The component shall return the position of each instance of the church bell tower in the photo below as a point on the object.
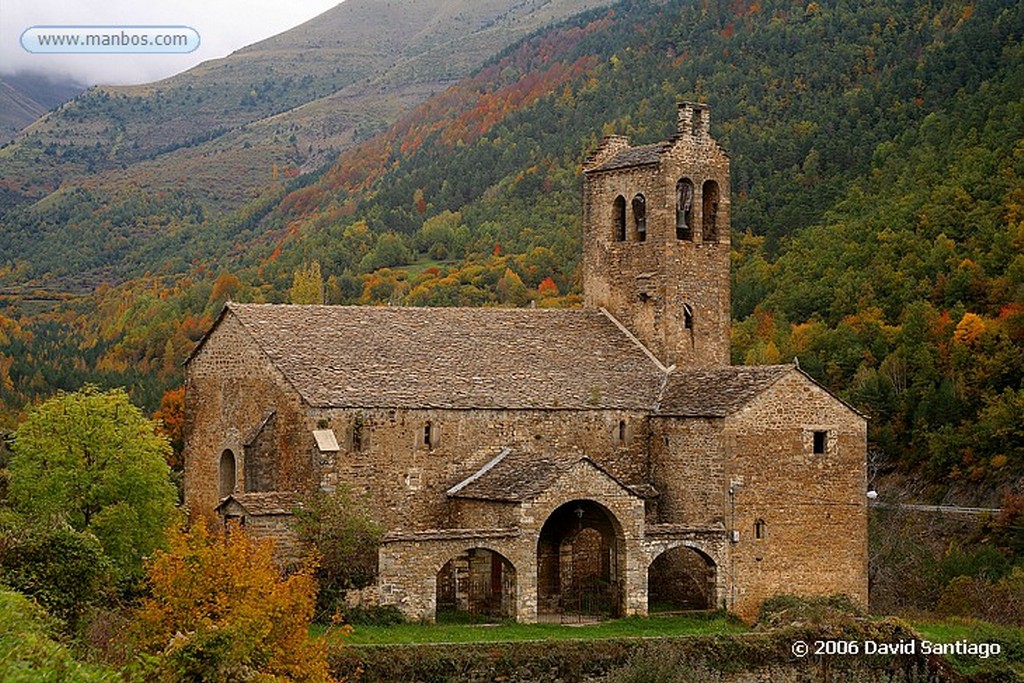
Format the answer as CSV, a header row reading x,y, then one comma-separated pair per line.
x,y
656,240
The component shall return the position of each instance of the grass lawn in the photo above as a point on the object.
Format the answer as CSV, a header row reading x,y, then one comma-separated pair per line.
x,y
952,630
633,627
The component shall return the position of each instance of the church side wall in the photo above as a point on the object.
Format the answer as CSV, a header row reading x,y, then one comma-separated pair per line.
x,y
404,480
800,515
230,389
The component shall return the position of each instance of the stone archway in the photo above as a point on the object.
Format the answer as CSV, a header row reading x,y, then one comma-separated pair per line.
x,y
477,584
580,563
680,579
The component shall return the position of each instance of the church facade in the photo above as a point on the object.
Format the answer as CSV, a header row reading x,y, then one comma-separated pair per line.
x,y
550,464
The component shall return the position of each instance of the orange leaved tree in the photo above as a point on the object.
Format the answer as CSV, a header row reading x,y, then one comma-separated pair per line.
x,y
220,610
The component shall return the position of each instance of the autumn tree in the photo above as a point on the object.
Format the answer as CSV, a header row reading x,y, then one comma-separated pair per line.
x,y
89,459
220,610
308,285
171,418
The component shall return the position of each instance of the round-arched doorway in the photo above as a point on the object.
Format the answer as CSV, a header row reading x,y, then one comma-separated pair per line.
x,y
476,585
580,564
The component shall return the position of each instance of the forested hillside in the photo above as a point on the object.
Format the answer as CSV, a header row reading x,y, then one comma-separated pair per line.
x,y
125,165
878,213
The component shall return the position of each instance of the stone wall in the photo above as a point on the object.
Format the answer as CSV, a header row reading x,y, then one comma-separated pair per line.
x,y
809,509
404,480
231,389
687,469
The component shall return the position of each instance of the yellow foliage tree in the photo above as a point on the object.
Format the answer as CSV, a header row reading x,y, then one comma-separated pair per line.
x,y
220,610
308,285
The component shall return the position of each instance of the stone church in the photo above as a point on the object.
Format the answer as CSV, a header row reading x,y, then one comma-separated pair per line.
x,y
550,464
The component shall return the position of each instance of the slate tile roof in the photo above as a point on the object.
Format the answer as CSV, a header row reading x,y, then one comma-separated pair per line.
x,y
632,156
466,358
717,391
455,358
265,503
516,476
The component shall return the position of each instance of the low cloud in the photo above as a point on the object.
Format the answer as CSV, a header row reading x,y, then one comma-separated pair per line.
x,y
223,25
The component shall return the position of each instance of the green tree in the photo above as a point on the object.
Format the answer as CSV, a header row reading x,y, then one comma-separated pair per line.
x,y
308,285
346,541
91,460
63,570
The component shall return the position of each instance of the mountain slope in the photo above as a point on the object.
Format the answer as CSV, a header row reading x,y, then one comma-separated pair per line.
x,y
372,58
24,98
877,199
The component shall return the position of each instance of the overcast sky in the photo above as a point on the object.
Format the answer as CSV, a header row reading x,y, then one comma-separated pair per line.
x,y
223,26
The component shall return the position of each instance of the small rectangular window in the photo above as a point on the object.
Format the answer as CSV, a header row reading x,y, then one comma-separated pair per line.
x,y
820,442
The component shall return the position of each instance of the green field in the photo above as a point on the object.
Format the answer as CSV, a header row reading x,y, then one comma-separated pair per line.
x,y
703,624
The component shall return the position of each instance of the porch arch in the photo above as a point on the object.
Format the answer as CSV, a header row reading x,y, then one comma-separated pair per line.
x,y
581,563
680,578
478,583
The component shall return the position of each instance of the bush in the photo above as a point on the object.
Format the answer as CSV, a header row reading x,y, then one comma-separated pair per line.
x,y
62,569
219,610
785,610
661,664
380,615
1001,601
346,541
29,653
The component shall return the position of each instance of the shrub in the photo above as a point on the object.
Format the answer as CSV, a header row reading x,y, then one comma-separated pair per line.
x,y
784,610
661,664
62,569
29,653
346,541
220,610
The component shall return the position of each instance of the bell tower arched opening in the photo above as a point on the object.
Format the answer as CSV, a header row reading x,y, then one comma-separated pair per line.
x,y
684,209
709,222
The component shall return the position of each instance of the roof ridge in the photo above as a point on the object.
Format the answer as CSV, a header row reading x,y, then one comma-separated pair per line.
x,y
640,344
479,473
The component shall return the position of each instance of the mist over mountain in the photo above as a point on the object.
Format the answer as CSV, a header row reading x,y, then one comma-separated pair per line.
x,y
26,97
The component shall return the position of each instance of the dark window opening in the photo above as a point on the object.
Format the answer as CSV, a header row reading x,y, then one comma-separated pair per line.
x,y
684,209
760,529
227,473
622,431
709,226
357,435
820,442
427,435
619,217
640,217
687,316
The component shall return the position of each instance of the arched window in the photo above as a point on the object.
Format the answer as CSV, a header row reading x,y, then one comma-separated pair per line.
x,y
709,226
684,209
687,316
227,473
619,218
640,217
428,435
760,530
